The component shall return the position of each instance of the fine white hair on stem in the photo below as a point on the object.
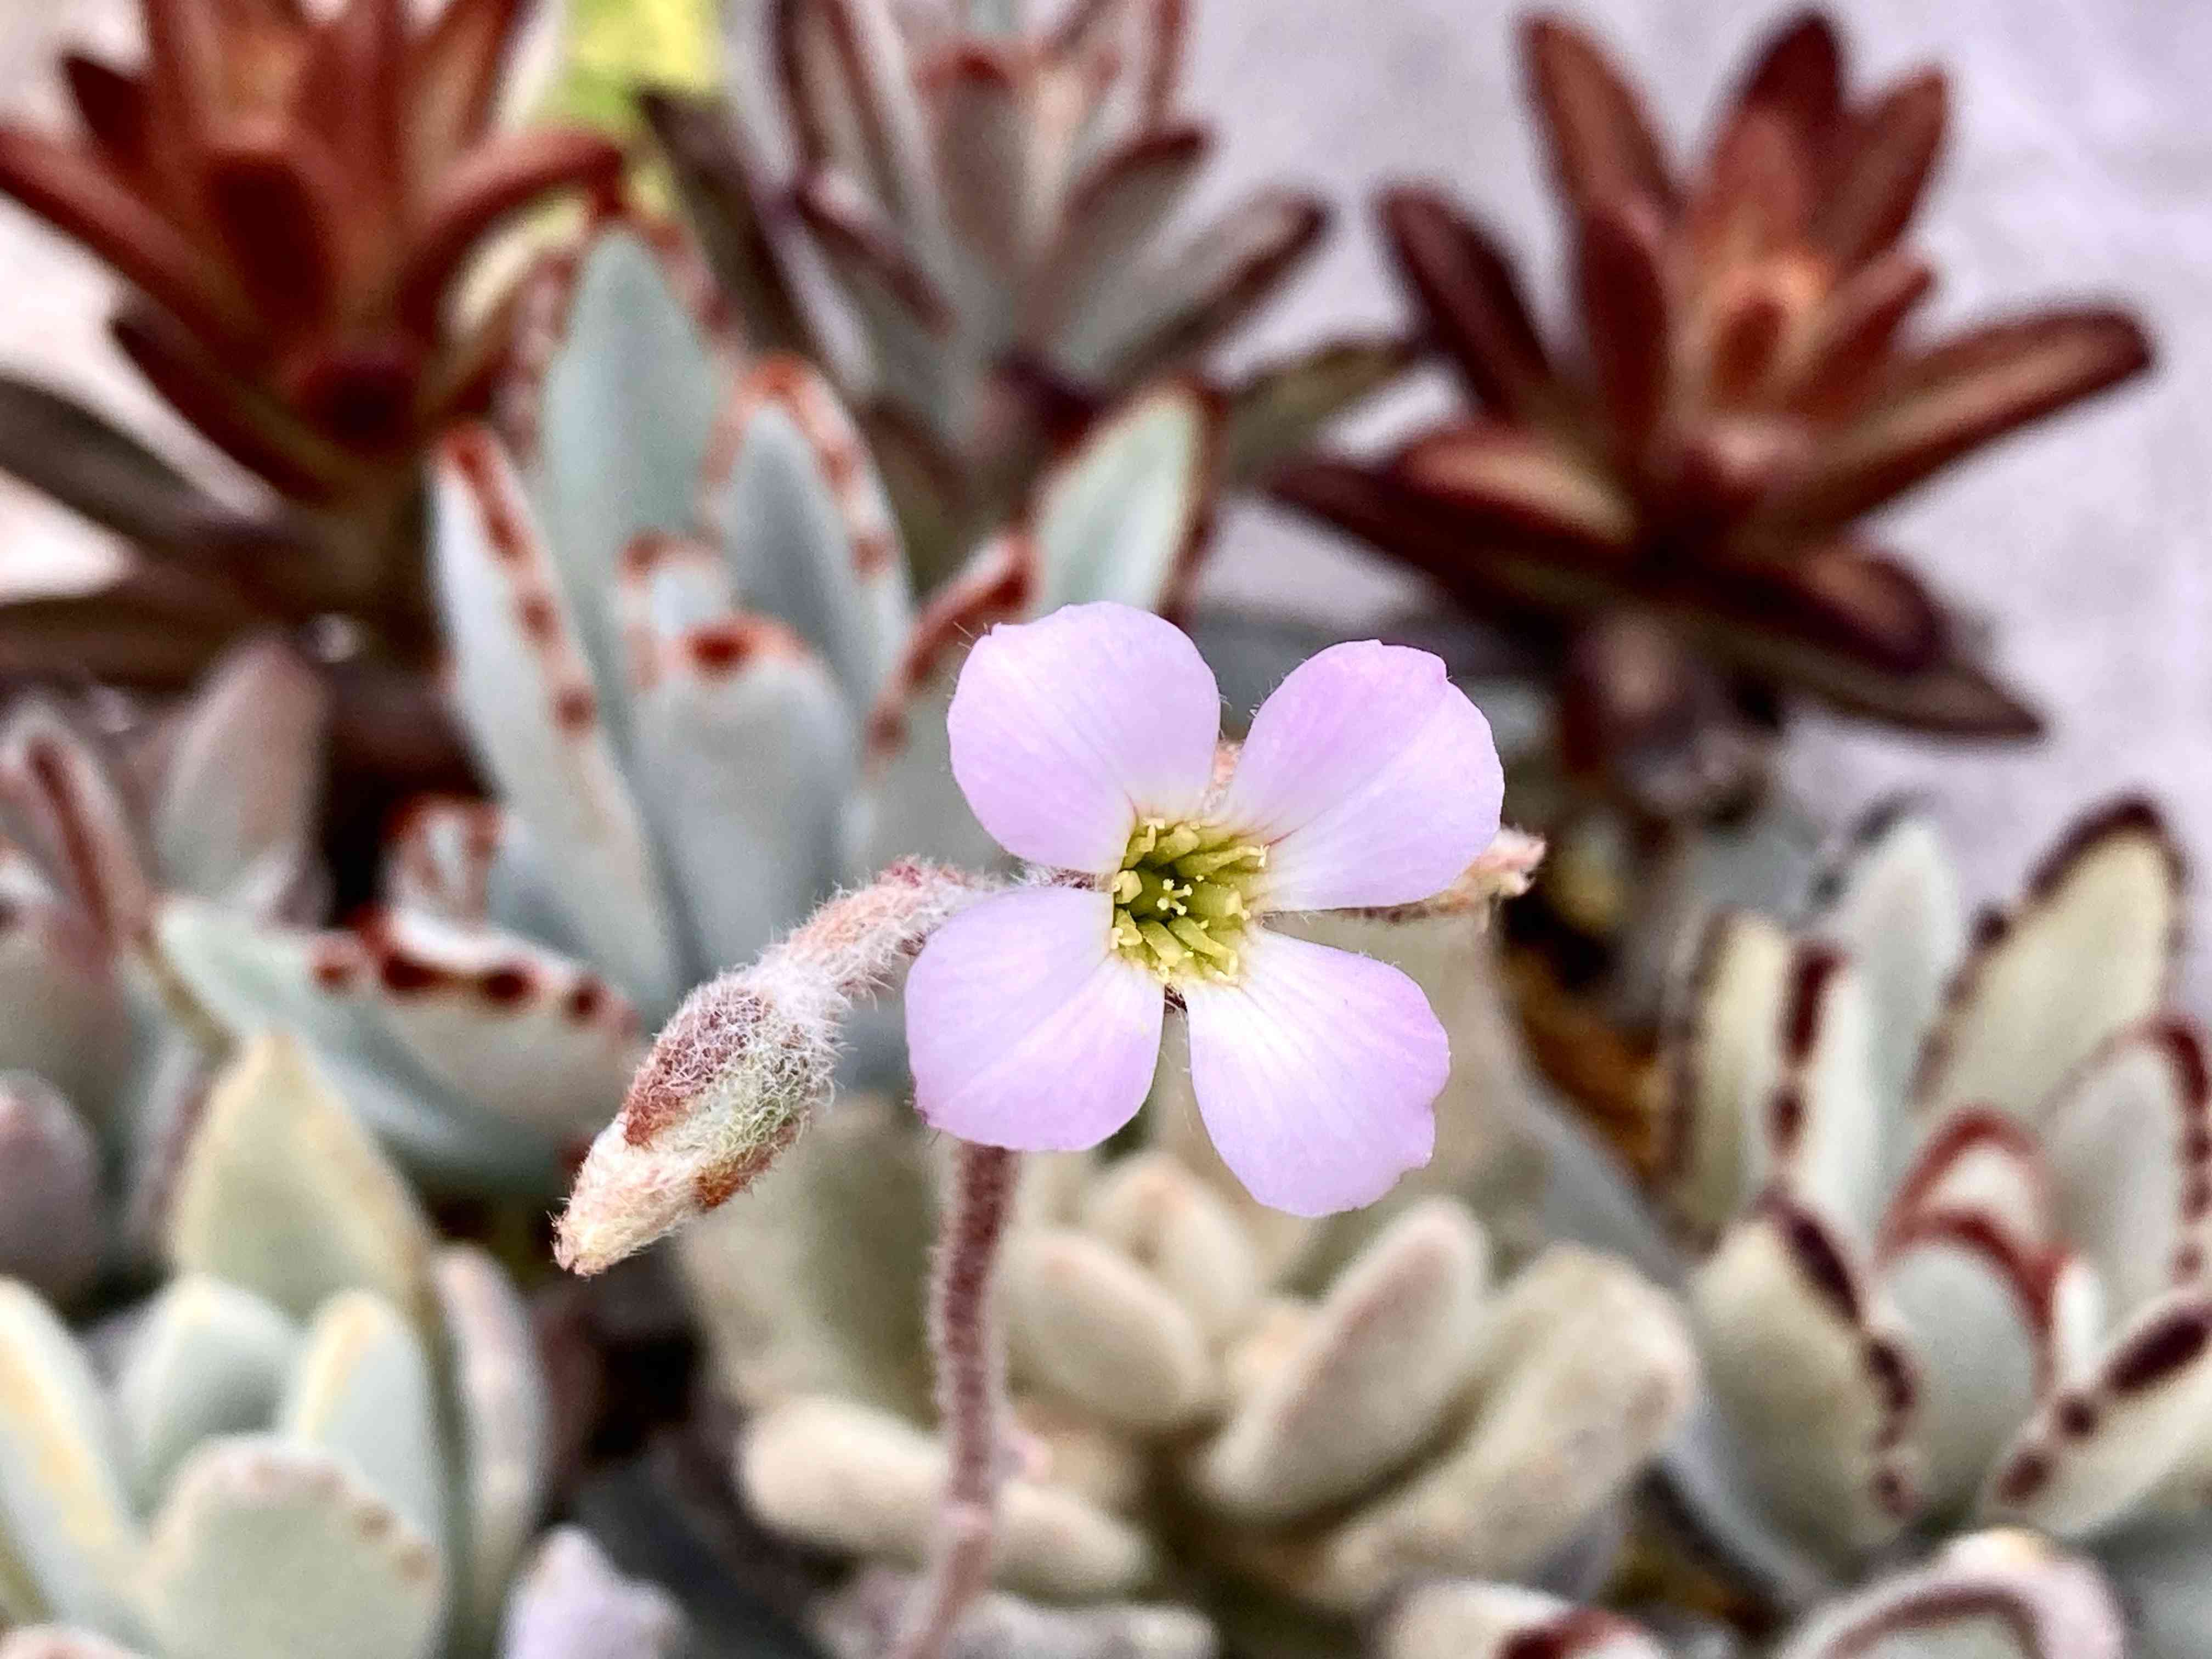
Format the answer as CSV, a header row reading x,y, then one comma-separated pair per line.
x,y
734,1076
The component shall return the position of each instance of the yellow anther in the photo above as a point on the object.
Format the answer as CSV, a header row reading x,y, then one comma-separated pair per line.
x,y
1180,900
1183,839
1126,885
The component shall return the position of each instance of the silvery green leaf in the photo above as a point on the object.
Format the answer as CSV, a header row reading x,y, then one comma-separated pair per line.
x,y
283,1193
243,784
504,1432
1992,1595
911,327
624,410
854,105
65,1521
2024,1010
2093,1450
746,758
861,1619
63,803
440,853
1118,519
991,164
1826,1122
1467,1619
206,1358
791,494
1893,901
908,803
1089,1325
1282,407
1108,223
268,1550
2130,1163
361,1389
50,1206
2157,1566
527,698
1811,1367
572,1604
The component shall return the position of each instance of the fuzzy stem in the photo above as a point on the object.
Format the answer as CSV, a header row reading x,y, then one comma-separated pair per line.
x,y
970,1354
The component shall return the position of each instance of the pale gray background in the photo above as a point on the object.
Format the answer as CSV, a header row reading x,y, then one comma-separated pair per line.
x,y
2081,163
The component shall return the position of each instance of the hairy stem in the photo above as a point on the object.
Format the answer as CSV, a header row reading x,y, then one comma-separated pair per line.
x,y
971,1387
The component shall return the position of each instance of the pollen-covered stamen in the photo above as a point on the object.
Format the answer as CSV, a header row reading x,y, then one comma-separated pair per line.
x,y
1181,897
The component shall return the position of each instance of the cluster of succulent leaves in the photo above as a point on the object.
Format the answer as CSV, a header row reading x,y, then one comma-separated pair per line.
x,y
688,661
325,1433
991,198
1671,505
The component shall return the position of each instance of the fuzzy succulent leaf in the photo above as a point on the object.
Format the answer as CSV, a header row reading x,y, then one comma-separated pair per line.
x,y
207,1358
284,1194
264,1550
2004,1594
1087,1322
858,1621
1465,1620
571,1604
69,1546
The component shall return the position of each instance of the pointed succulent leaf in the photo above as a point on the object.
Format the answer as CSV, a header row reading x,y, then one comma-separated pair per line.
x,y
1584,1372
1120,517
282,1192
1978,1162
1510,480
501,1396
814,1284
1471,296
2004,1594
1980,1316
71,1024
528,698
51,1205
1200,292
241,792
1883,169
1826,1121
1463,1618
625,403
1150,1206
2024,1010
724,201
207,1358
1893,902
1281,407
1810,1364
2093,1450
439,856
65,1519
63,803
361,1389
861,1620
2129,1150
851,97
1936,406
910,324
989,164
1723,1055
845,1477
572,1604
266,1549
789,492
1385,1357
1110,216
1603,146
1088,1323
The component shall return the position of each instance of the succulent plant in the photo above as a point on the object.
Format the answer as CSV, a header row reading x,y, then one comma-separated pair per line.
x,y
1213,1401
1675,501
294,195
324,1435
1993,1595
1951,1192
103,1064
684,651
990,201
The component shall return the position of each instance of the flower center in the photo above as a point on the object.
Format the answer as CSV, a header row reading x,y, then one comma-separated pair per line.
x,y
1180,899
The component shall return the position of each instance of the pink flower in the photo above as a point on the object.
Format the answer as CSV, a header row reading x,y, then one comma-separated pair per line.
x,y
1085,744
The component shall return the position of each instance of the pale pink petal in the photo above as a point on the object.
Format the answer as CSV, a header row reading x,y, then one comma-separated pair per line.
x,y
1373,777
1025,1028
1316,1073
1065,731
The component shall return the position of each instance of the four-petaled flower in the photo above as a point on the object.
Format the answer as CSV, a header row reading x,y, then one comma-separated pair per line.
x,y
1085,742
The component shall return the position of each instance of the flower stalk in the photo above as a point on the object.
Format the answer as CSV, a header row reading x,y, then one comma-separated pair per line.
x,y
970,1350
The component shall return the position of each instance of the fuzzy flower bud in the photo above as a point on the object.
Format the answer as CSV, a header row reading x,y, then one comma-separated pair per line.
x,y
733,1077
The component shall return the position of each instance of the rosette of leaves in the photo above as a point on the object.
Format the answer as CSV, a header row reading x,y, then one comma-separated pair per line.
x,y
100,1062
684,652
1949,1191
1672,503
991,201
294,195
1273,1422
324,1435
1993,1595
